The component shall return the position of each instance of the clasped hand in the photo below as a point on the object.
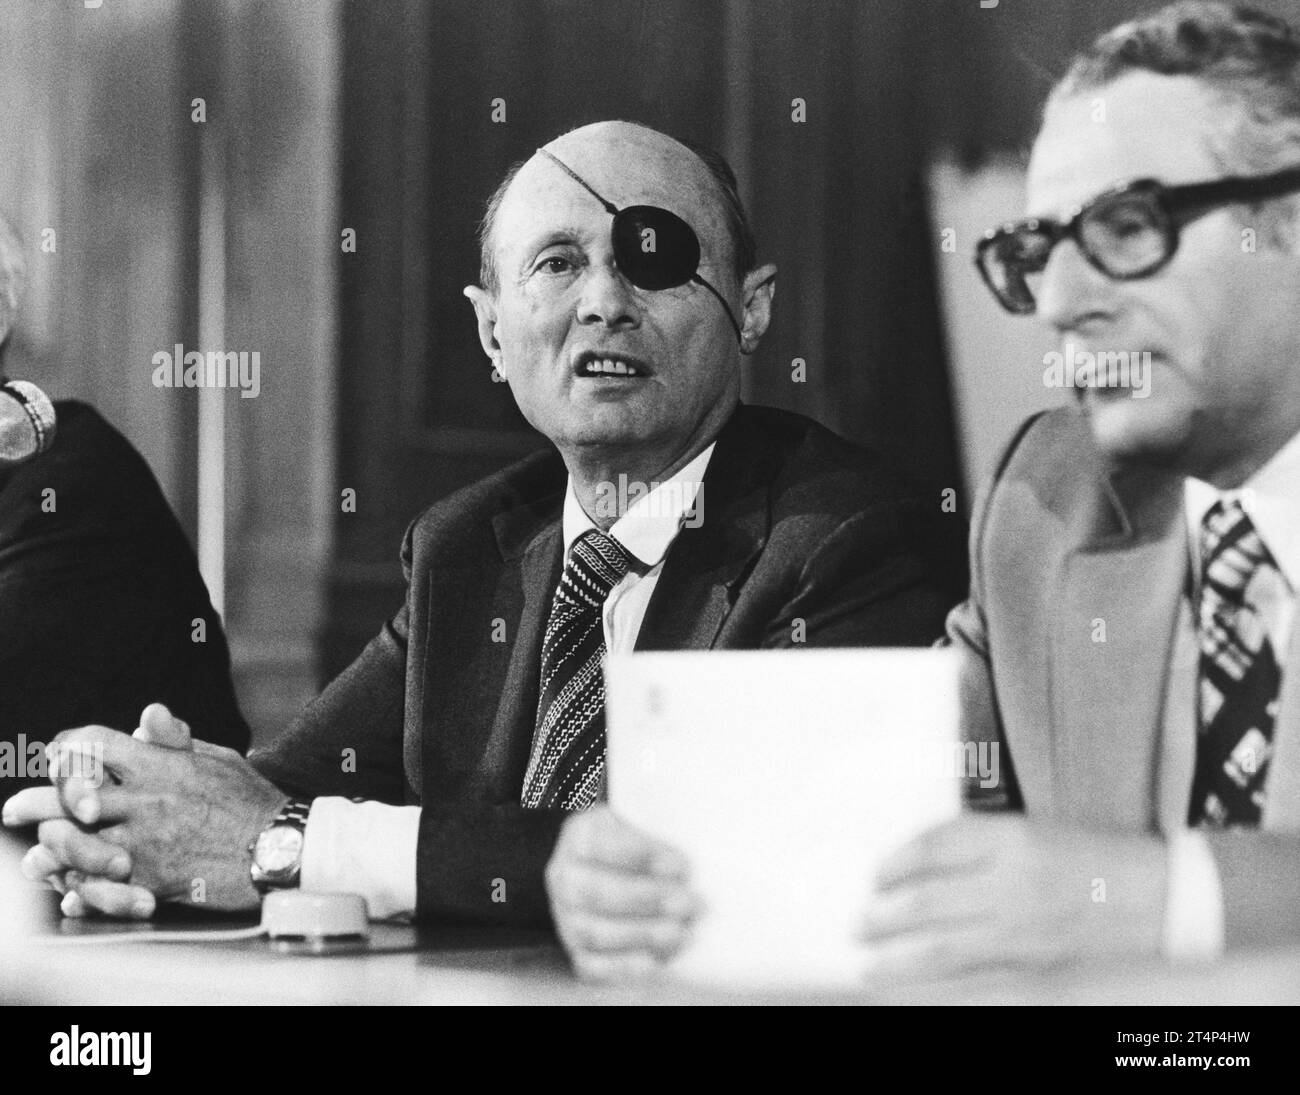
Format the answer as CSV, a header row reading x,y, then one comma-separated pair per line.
x,y
158,816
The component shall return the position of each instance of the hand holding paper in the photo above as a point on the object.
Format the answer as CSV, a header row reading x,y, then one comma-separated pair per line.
x,y
622,900
784,779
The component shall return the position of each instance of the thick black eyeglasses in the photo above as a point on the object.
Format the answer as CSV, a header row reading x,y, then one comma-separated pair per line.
x,y
1127,232
653,248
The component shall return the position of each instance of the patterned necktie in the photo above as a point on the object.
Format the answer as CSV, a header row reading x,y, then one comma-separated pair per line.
x,y
568,757
1239,672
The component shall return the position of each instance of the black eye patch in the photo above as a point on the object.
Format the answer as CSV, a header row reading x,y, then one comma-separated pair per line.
x,y
653,248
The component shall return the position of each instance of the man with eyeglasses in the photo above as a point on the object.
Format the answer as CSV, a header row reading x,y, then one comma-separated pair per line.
x,y
620,293
1130,640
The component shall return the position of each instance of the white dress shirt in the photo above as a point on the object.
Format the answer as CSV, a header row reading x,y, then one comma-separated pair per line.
x,y
369,848
1271,498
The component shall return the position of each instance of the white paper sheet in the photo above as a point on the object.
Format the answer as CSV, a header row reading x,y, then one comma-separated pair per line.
x,y
784,777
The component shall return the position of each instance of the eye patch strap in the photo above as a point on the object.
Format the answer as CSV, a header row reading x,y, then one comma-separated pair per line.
x,y
609,208
725,306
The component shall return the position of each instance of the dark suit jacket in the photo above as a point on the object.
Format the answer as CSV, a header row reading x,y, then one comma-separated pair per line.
x,y
797,524
98,598
1102,734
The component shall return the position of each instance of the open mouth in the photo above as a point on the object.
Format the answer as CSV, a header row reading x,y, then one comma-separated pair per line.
x,y
596,365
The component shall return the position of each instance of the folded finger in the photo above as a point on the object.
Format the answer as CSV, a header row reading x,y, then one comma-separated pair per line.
x,y
111,898
606,969
102,748
91,853
936,903
610,841
40,864
945,849
33,805
603,892
596,935
80,798
158,726
97,805
77,770
72,905
942,953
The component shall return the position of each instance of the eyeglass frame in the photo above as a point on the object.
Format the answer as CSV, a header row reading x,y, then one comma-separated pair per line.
x,y
1180,204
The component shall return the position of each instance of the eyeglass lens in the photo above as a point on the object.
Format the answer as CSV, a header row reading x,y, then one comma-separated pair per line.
x,y
1125,235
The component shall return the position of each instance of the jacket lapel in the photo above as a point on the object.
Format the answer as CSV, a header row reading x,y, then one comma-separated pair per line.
x,y
477,693
1131,571
1282,801
707,564
1126,577
532,546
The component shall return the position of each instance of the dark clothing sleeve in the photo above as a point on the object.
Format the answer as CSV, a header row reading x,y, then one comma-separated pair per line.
x,y
348,741
485,864
102,608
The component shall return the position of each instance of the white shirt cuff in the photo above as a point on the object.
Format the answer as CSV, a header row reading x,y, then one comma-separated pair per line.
x,y
365,848
1194,900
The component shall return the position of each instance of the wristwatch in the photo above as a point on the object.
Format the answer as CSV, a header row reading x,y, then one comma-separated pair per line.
x,y
277,851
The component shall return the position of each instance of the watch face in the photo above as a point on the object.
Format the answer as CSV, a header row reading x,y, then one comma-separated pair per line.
x,y
278,849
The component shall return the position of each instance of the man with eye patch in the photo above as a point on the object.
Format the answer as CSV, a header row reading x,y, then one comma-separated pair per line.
x,y
620,292
1130,642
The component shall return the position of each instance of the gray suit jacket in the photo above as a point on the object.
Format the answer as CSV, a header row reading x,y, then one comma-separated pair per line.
x,y
1080,660
797,524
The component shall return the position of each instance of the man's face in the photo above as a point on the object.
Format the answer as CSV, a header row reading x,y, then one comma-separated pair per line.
x,y
563,305
1219,320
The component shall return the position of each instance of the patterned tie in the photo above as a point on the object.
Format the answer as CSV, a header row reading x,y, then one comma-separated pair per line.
x,y
1239,672
568,758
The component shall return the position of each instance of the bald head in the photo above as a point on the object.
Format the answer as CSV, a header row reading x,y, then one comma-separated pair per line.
x,y
620,159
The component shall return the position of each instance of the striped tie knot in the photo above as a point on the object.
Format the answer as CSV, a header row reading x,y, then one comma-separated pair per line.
x,y
596,564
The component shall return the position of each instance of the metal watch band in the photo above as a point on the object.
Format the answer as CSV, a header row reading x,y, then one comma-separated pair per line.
x,y
292,814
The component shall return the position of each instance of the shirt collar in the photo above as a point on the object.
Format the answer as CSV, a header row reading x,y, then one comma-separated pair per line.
x,y
1270,497
651,523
